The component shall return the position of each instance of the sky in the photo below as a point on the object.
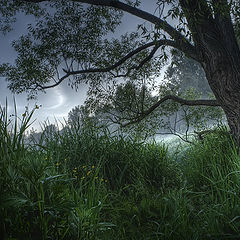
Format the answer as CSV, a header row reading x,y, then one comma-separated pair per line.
x,y
58,101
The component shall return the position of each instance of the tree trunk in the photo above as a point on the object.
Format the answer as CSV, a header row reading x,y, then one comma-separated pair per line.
x,y
222,68
225,85
218,53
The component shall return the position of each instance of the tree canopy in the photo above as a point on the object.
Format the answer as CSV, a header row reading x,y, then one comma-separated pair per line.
x,y
71,41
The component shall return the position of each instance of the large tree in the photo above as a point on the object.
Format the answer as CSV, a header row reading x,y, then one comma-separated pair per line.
x,y
207,32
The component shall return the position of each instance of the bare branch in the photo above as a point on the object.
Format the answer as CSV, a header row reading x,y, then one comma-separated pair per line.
x,y
175,134
202,102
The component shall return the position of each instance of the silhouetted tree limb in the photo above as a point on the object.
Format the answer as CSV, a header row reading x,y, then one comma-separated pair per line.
x,y
156,44
181,42
202,102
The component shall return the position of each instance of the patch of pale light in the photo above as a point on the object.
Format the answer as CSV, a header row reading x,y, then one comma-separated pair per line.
x,y
160,80
60,99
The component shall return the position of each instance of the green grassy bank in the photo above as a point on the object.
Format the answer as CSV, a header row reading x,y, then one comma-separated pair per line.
x,y
85,185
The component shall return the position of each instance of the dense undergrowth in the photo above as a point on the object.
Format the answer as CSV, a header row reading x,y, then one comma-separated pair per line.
x,y
87,184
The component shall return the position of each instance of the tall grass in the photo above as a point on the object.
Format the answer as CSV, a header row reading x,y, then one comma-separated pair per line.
x,y
212,170
41,198
84,183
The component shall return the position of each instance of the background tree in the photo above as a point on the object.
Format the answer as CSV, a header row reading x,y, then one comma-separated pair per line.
x,y
79,115
184,73
129,100
205,33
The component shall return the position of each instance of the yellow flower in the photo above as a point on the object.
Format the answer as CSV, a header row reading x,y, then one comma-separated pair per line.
x,y
88,173
93,166
102,180
57,164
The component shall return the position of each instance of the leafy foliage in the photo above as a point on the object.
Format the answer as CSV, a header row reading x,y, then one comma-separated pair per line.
x,y
131,100
9,9
72,42
84,184
51,42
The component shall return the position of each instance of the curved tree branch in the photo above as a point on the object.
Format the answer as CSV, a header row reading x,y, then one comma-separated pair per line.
x,y
148,58
202,102
182,43
156,45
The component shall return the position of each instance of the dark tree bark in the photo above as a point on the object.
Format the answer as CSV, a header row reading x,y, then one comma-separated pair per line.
x,y
219,55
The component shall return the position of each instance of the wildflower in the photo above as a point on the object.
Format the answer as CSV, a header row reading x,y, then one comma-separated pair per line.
x,y
57,164
93,166
37,106
88,173
75,170
84,166
106,180
102,180
65,159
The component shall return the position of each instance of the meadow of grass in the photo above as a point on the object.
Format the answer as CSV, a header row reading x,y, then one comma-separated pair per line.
x,y
84,183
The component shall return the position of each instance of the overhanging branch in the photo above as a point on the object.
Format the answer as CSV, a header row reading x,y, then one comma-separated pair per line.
x,y
201,102
182,43
156,45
